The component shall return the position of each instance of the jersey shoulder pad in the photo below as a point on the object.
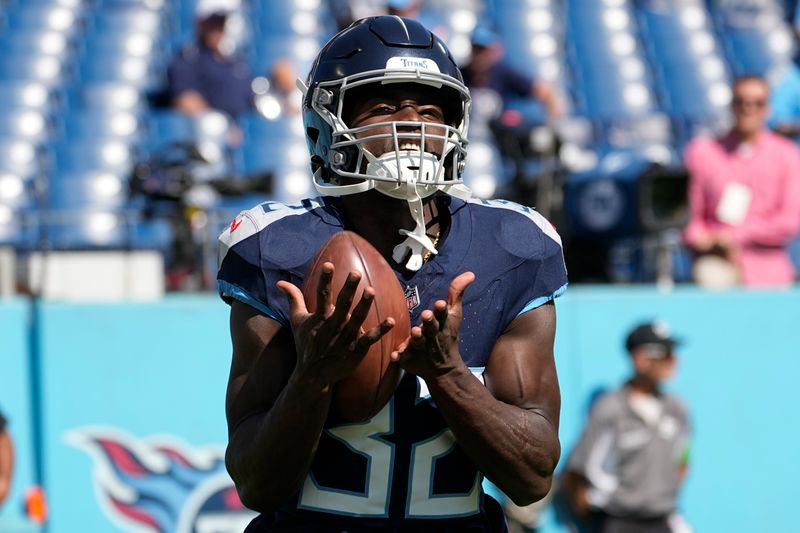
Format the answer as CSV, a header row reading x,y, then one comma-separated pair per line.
x,y
260,218
516,233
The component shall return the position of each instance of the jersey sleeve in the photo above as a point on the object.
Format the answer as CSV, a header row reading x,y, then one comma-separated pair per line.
x,y
542,275
269,243
244,272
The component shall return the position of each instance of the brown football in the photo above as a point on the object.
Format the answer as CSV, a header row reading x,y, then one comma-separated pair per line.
x,y
363,394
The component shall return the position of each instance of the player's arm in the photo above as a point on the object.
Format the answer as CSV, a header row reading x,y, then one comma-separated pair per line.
x,y
274,418
280,386
509,427
521,377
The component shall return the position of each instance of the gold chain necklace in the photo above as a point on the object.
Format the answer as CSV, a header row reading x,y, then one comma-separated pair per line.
x,y
428,253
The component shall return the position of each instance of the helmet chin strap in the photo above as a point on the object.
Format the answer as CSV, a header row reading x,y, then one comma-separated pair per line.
x,y
416,241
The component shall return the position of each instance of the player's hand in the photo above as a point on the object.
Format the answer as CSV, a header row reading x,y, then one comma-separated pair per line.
x,y
330,342
432,348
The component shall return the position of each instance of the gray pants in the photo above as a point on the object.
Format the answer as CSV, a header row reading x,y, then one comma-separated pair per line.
x,y
616,524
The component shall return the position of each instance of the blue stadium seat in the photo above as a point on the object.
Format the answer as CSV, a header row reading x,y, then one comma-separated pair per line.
x,y
109,96
102,154
284,18
259,129
18,229
122,44
100,66
87,190
693,79
263,157
19,157
93,123
265,50
31,66
26,95
599,47
81,230
17,192
167,126
34,43
751,51
24,124
38,16
127,19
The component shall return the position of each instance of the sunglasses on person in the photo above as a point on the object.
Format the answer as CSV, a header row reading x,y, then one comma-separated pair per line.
x,y
758,103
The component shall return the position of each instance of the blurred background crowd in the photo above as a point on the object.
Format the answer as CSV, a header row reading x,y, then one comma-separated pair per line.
x,y
132,131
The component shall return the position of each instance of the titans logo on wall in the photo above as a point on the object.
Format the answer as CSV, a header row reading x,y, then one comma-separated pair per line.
x,y
161,485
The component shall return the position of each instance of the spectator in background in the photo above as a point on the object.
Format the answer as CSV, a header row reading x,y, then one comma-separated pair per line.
x,y
486,70
347,11
203,75
624,473
276,94
744,197
404,8
412,9
6,460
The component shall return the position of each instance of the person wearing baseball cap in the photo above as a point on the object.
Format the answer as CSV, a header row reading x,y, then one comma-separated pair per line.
x,y
652,337
488,70
203,75
214,8
626,469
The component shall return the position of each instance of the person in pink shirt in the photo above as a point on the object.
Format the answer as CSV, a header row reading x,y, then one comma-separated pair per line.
x,y
744,197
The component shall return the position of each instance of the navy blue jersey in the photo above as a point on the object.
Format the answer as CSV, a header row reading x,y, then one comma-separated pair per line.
x,y
403,467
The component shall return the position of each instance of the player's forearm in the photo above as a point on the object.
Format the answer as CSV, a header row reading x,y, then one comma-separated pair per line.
x,y
517,449
269,454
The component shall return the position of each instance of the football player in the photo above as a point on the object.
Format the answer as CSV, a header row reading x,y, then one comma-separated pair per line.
x,y
386,115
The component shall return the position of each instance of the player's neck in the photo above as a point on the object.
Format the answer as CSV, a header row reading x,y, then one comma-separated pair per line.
x,y
378,218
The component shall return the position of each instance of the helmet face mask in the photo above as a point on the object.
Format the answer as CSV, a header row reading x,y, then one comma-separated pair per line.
x,y
363,58
408,159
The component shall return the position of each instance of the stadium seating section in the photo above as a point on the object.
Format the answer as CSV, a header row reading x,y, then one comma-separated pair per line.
x,y
78,80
